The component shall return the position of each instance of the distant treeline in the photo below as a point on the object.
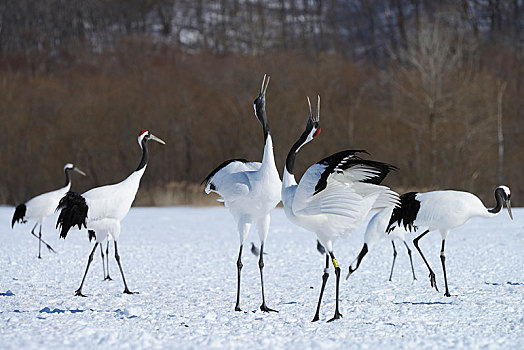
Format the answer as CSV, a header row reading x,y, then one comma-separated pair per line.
x,y
423,85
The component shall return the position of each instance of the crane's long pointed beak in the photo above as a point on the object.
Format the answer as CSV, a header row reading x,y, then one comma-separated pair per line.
x,y
508,205
153,137
79,171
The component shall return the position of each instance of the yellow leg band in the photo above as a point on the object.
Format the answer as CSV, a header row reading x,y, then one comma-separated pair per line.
x,y
335,263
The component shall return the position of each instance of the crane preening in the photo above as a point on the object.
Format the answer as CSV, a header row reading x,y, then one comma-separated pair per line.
x,y
40,207
101,209
376,231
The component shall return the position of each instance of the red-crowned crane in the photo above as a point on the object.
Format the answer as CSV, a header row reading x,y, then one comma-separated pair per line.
x,y
101,209
443,211
333,196
250,190
376,231
40,207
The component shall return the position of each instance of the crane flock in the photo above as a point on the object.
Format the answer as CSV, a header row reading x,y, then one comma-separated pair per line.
x,y
332,199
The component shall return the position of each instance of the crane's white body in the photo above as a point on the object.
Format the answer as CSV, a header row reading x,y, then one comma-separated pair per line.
x,y
445,210
43,205
108,205
250,191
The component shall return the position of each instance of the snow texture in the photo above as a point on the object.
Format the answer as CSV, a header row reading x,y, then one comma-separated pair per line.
x,y
182,261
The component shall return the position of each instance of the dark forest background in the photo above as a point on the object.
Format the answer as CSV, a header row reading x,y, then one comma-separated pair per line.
x,y
434,87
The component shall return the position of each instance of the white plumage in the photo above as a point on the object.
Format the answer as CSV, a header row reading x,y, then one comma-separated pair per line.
x,y
40,207
249,190
101,209
443,211
333,196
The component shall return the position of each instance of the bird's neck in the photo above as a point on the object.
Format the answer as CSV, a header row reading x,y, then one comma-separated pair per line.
x,y
288,179
497,207
268,160
68,179
145,155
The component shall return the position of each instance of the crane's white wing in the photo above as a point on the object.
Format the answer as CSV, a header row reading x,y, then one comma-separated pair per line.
x,y
112,201
44,204
230,179
344,185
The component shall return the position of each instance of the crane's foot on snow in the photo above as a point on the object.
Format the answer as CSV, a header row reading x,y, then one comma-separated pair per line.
x,y
432,280
108,278
336,317
264,308
237,308
447,294
315,319
127,291
78,293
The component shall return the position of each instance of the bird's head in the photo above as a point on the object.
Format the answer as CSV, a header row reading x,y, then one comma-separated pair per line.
x,y
505,194
145,136
313,124
70,166
260,104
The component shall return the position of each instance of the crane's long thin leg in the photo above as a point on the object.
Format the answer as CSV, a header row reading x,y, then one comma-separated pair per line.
x,y
263,307
443,260
239,269
103,261
78,292
411,261
41,240
431,273
394,258
117,257
337,275
108,278
325,277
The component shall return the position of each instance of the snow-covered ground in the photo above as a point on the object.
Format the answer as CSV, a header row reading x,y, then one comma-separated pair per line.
x,y
182,261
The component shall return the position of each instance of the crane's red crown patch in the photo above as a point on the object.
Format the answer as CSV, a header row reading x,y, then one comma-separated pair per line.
x,y
143,131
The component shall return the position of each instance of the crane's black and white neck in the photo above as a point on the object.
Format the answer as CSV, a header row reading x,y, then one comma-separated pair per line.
x,y
143,138
311,131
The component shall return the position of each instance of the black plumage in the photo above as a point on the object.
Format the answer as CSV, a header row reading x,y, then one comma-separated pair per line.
x,y
344,160
19,214
218,168
320,248
73,213
406,213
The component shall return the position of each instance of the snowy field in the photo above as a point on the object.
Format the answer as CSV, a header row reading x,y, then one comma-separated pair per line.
x,y
182,261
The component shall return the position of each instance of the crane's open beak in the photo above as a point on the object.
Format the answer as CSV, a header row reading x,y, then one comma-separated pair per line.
x,y
508,205
79,171
153,137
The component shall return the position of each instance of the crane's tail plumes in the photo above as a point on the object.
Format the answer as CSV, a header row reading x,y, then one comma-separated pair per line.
x,y
19,214
406,213
73,212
